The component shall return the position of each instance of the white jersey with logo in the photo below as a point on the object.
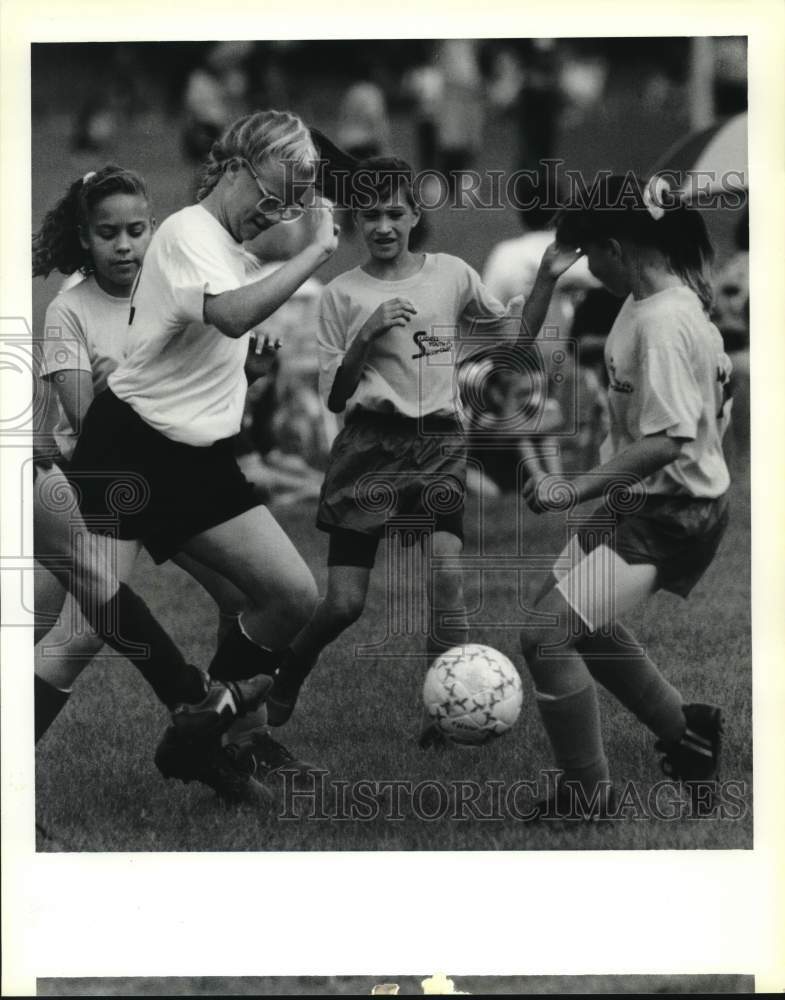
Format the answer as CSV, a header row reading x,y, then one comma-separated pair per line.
x,y
183,376
411,370
86,330
669,374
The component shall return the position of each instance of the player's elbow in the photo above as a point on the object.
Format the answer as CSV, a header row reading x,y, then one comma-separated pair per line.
x,y
225,319
231,327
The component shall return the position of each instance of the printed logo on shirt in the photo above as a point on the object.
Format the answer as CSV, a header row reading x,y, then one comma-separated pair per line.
x,y
429,343
617,384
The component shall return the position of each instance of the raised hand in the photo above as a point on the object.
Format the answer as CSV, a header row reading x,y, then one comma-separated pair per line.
x,y
323,225
557,259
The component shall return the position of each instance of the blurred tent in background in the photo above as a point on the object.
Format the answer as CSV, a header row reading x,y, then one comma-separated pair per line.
x,y
715,156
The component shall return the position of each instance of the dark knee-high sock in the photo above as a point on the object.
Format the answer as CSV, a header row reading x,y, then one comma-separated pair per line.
x,y
572,722
238,657
126,623
622,667
49,701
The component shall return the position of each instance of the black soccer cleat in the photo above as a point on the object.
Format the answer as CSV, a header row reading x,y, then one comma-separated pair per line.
x,y
224,701
287,682
696,756
220,768
267,757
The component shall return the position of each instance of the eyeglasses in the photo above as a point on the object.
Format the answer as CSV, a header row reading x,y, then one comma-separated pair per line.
x,y
270,204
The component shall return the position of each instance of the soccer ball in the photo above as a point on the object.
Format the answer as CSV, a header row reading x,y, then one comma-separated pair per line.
x,y
472,693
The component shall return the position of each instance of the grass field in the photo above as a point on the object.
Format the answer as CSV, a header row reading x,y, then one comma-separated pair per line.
x,y
97,787
98,790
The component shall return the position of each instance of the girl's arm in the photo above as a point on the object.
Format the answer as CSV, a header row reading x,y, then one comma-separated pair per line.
x,y
394,312
640,460
555,261
74,389
237,311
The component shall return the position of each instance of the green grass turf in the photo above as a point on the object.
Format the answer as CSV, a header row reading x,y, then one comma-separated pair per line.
x,y
98,790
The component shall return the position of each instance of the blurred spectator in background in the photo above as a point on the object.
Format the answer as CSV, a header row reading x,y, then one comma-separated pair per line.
x,y
424,85
447,91
287,433
539,104
510,270
115,98
594,317
363,124
510,422
731,315
216,93
461,111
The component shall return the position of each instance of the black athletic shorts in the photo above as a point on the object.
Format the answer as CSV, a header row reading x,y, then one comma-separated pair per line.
x,y
136,483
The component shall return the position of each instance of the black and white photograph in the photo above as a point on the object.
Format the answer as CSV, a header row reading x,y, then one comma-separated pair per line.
x,y
381,483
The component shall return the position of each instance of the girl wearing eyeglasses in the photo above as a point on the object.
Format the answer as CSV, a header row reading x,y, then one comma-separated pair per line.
x,y
174,404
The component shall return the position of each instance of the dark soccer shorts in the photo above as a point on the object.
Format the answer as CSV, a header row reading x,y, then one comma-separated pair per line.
x,y
136,483
387,470
679,535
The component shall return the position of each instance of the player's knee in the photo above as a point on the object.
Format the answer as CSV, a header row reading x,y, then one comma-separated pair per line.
x,y
346,608
301,597
292,601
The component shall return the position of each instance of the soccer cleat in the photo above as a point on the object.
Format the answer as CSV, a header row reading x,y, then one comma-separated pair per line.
x,y
270,756
220,768
223,702
696,756
289,678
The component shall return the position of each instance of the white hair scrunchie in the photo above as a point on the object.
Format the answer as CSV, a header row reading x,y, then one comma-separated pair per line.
x,y
655,196
88,177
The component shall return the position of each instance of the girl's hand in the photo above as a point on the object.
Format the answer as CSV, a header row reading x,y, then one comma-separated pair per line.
x,y
324,228
557,259
393,312
261,356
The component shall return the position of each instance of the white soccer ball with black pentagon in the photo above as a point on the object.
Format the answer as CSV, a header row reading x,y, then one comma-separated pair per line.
x,y
472,693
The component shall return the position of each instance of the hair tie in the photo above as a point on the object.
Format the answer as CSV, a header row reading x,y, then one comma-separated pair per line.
x,y
655,196
88,177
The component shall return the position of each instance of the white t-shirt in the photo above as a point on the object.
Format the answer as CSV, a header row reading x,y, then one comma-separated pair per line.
x,y
411,370
669,374
85,330
182,375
